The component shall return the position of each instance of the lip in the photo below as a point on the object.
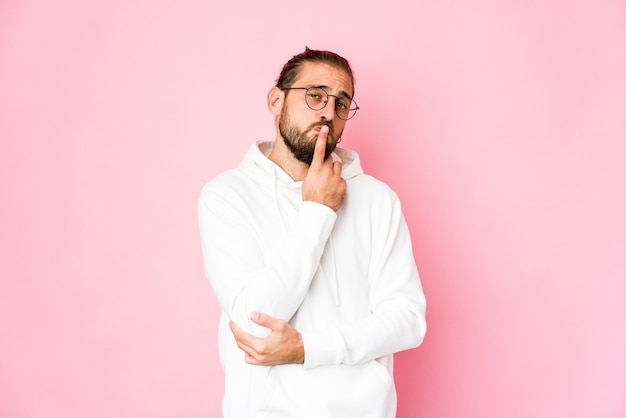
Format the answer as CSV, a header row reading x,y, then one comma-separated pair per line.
x,y
319,128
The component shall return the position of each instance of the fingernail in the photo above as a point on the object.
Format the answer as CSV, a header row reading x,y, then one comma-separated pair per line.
x,y
254,316
324,128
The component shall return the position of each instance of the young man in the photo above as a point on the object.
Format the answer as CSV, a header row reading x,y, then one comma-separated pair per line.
x,y
311,261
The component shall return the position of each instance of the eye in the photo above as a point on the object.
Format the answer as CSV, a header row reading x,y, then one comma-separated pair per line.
x,y
342,104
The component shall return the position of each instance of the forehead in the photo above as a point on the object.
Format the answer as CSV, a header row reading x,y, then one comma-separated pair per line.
x,y
317,74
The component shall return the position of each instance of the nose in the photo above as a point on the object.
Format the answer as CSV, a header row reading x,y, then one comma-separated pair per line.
x,y
328,111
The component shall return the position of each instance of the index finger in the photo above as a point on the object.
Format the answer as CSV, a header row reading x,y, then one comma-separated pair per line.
x,y
319,154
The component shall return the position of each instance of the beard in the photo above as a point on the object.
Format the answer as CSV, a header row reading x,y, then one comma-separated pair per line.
x,y
301,146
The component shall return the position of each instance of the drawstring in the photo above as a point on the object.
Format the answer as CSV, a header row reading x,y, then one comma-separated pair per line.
x,y
334,282
278,208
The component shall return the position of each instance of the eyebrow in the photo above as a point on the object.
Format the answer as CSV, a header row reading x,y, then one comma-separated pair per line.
x,y
341,92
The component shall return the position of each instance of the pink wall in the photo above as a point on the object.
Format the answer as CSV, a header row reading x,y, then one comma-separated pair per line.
x,y
500,124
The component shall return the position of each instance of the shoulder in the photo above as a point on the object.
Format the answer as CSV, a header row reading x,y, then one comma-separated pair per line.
x,y
367,194
370,187
227,185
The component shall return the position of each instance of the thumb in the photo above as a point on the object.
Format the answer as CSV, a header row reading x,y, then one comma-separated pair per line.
x,y
264,320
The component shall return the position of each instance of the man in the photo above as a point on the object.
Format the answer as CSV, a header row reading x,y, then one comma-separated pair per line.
x,y
311,262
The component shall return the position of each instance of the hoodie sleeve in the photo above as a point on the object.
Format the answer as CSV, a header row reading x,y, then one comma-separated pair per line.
x,y
397,320
244,275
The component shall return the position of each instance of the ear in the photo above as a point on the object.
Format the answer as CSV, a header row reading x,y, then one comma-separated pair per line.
x,y
275,99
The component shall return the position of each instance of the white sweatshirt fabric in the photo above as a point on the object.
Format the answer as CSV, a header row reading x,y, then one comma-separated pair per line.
x,y
346,280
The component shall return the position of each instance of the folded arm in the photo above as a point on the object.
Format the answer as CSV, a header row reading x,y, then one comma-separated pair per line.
x,y
247,277
397,321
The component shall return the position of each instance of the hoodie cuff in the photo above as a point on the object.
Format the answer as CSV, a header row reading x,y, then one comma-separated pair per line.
x,y
323,348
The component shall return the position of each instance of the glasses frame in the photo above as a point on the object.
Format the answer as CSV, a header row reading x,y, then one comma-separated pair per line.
x,y
352,101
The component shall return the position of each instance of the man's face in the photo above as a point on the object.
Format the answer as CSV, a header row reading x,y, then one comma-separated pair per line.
x,y
299,125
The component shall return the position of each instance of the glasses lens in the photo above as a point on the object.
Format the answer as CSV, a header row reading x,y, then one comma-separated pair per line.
x,y
343,107
316,98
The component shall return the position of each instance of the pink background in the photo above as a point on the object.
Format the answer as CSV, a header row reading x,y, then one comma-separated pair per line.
x,y
501,125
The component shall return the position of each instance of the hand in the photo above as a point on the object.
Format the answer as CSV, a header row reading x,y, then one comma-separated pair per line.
x,y
283,345
323,183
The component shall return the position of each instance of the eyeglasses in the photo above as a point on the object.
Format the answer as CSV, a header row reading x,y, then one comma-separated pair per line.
x,y
317,98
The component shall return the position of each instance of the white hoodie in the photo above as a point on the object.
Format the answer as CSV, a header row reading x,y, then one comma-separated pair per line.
x,y
346,280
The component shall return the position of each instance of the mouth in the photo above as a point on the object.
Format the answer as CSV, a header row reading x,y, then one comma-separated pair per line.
x,y
318,128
